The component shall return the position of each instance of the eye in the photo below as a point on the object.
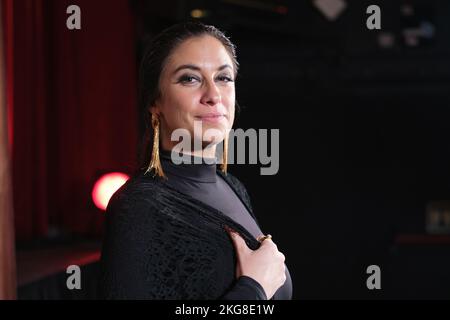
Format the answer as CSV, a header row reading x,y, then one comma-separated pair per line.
x,y
188,79
225,78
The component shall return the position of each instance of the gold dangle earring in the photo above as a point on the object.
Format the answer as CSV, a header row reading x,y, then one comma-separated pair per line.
x,y
155,163
223,166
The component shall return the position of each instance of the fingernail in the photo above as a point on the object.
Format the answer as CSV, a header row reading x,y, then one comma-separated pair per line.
x,y
229,229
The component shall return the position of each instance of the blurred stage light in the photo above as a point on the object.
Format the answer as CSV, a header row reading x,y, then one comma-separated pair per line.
x,y
199,13
331,9
105,187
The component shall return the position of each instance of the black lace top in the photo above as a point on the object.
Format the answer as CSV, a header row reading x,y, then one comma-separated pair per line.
x,y
163,241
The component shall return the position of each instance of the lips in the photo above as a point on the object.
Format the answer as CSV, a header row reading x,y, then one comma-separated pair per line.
x,y
211,117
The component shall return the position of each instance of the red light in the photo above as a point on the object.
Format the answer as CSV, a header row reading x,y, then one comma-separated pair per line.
x,y
281,9
105,187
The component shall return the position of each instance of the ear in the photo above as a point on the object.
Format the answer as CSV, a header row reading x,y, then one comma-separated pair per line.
x,y
154,109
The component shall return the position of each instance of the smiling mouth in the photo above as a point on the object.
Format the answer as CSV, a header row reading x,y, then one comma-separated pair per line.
x,y
211,117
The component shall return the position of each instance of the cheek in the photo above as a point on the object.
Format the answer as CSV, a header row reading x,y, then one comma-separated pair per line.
x,y
179,107
229,101
230,95
186,100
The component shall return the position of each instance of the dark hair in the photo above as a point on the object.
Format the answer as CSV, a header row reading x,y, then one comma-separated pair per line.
x,y
153,61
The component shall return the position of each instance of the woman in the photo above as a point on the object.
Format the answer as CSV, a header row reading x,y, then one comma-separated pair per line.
x,y
187,231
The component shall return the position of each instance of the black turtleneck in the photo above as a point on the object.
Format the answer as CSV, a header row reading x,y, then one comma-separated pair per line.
x,y
202,182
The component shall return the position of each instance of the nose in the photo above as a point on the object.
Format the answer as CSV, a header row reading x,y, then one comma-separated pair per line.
x,y
211,96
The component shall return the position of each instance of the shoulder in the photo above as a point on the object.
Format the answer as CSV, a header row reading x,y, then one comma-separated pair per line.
x,y
140,196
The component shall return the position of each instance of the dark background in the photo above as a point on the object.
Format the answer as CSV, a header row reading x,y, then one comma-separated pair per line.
x,y
364,135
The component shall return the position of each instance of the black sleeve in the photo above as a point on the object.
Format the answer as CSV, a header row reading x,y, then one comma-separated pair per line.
x,y
246,288
123,259
141,261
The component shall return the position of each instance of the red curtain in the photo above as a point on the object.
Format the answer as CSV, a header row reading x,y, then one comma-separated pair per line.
x,y
74,108
7,254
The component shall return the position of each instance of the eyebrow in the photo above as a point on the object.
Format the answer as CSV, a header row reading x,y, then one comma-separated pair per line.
x,y
196,68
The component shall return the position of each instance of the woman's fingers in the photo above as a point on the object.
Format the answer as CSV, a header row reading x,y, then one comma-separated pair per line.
x,y
241,249
265,265
239,243
269,243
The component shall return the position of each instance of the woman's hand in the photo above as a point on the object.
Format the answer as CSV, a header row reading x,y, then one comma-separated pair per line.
x,y
265,265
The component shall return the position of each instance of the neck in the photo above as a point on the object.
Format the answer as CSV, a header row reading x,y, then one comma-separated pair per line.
x,y
192,168
208,151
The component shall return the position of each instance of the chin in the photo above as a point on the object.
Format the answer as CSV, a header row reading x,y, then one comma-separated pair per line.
x,y
209,144
212,141
214,132
217,126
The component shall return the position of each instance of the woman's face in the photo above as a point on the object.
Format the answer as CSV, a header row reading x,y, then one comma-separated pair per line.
x,y
197,89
